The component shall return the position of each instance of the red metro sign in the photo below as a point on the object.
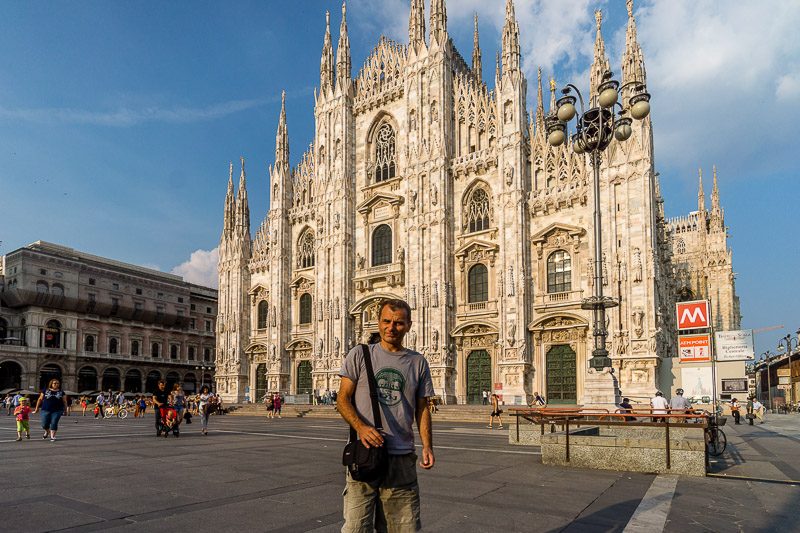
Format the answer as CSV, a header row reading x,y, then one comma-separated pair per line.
x,y
694,315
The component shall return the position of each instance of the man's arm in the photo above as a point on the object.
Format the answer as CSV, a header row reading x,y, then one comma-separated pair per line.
x,y
425,425
368,434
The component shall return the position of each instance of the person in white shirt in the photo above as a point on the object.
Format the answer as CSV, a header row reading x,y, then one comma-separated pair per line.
x,y
758,410
100,401
660,406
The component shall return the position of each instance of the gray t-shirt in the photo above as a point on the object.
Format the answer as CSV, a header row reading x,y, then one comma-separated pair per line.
x,y
679,402
402,377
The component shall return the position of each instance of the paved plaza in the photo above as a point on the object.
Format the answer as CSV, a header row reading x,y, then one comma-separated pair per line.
x,y
251,474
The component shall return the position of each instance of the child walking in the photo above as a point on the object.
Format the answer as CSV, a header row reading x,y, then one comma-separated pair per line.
x,y
23,418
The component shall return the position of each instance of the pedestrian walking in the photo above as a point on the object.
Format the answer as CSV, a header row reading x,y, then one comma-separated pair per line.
x,y
206,398
178,401
660,406
99,402
22,414
160,402
735,410
391,502
269,403
749,415
52,403
277,404
496,412
759,410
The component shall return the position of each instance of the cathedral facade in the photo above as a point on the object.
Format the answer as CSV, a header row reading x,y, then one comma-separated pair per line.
x,y
423,183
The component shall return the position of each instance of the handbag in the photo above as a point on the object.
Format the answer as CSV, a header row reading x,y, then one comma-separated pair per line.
x,y
366,464
750,416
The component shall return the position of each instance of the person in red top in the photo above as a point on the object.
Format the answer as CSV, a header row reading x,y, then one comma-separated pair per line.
x,y
22,413
276,404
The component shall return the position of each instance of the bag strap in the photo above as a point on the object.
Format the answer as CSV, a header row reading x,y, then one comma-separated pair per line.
x,y
373,393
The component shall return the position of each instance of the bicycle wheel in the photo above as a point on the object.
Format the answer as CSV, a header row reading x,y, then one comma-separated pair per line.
x,y
717,443
108,413
123,413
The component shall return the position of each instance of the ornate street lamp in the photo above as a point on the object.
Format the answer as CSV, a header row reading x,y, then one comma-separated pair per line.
x,y
767,356
596,128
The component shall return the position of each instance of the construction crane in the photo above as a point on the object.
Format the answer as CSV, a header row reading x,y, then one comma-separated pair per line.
x,y
767,329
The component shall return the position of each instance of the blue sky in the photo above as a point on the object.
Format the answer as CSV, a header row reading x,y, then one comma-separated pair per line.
x,y
118,119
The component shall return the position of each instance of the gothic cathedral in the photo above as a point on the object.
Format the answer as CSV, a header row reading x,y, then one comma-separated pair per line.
x,y
425,184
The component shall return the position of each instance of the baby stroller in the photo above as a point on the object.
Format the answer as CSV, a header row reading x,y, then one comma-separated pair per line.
x,y
168,421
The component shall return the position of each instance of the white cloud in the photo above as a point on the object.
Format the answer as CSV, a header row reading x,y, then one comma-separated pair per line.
x,y
201,268
125,117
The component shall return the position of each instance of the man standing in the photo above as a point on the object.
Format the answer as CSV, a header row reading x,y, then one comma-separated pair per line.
x,y
100,402
160,401
485,397
659,405
404,385
680,404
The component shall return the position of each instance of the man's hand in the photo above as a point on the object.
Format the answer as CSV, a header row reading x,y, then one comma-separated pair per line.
x,y
427,458
370,436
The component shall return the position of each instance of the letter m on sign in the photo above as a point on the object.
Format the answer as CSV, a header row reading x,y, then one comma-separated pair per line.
x,y
694,315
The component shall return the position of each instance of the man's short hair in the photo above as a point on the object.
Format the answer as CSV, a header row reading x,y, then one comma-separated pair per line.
x,y
164,381
394,305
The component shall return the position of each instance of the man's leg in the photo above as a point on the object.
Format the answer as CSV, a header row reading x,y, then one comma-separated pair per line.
x,y
359,505
399,494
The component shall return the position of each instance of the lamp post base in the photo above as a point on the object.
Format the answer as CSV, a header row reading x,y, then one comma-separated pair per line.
x,y
601,390
600,360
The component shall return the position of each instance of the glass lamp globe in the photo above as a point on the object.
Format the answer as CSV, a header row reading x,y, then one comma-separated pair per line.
x,y
577,146
556,137
640,109
566,112
608,97
623,132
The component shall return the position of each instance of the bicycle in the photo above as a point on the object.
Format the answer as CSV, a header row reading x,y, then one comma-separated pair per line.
x,y
115,410
716,441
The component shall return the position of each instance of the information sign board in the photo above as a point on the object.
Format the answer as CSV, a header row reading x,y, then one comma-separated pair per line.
x,y
735,345
694,348
694,315
734,385
785,387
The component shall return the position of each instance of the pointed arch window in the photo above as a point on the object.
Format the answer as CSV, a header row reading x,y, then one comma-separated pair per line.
x,y
382,245
385,164
478,283
305,253
559,272
262,314
681,246
478,210
305,309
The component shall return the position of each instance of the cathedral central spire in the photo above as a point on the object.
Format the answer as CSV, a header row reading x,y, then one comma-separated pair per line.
x,y
632,58
511,50
438,21
600,65
416,24
343,62
242,207
326,69
230,207
477,67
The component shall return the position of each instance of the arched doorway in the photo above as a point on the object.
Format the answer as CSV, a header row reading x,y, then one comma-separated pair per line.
x,y
172,378
304,385
47,373
10,375
190,382
87,379
479,375
261,382
151,383
562,376
112,379
133,381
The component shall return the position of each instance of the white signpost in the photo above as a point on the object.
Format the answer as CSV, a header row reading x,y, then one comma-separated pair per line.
x,y
735,345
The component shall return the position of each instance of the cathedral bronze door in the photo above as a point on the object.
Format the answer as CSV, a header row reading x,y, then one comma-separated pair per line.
x,y
304,377
261,382
562,377
479,375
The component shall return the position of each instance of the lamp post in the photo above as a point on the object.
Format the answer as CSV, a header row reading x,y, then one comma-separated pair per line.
x,y
768,356
790,345
596,128
202,369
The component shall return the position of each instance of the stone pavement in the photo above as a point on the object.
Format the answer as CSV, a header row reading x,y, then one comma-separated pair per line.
x,y
285,475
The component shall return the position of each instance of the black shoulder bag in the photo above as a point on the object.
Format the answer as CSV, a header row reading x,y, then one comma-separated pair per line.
x,y
366,464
